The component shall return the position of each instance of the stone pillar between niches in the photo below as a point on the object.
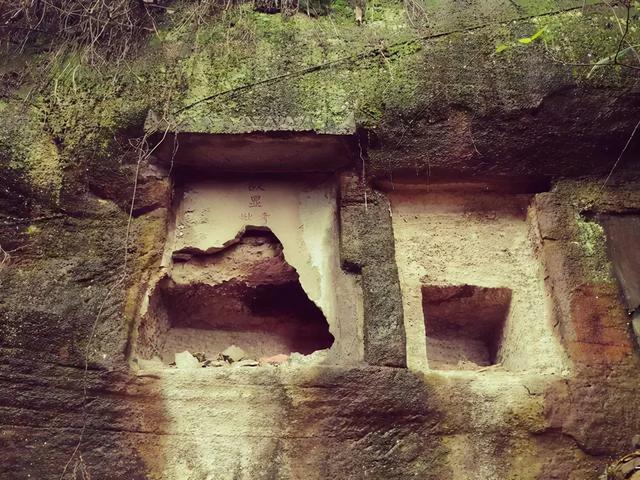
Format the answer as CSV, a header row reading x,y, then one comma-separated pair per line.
x,y
590,315
367,247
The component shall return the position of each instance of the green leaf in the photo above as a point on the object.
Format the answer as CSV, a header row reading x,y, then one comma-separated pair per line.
x,y
501,48
537,34
527,40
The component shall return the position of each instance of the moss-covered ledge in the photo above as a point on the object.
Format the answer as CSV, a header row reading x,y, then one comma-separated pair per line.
x,y
437,91
451,90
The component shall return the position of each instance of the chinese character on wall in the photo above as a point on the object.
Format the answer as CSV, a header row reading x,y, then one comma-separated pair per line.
x,y
255,202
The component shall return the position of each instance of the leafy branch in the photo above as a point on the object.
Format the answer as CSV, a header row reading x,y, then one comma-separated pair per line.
x,y
624,48
621,52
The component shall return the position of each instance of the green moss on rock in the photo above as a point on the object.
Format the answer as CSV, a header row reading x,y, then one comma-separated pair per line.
x,y
29,152
592,241
274,72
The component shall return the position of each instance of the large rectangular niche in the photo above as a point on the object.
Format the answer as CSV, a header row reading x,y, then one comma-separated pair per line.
x,y
253,264
473,289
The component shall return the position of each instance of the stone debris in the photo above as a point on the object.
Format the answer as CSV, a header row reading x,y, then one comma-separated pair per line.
x,y
298,359
627,467
214,363
247,363
233,354
200,356
186,360
275,359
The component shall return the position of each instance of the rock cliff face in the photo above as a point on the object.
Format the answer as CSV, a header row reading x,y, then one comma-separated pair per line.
x,y
427,206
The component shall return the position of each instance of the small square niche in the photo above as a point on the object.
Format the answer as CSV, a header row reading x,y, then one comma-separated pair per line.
x,y
464,325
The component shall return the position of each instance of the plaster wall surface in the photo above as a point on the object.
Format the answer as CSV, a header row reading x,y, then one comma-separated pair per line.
x,y
298,422
484,240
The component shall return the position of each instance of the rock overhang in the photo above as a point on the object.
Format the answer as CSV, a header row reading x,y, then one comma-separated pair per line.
x,y
255,145
476,112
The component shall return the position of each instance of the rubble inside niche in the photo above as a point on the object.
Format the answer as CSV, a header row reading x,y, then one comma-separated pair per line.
x,y
231,356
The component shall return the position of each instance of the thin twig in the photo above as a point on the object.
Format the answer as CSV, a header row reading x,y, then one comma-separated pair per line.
x,y
615,165
6,258
624,35
622,29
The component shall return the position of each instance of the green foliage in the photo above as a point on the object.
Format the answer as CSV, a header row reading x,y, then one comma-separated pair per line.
x,y
501,47
312,73
527,40
29,152
32,230
591,240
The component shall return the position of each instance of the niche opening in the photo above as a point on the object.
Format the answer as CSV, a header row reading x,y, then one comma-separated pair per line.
x,y
245,294
463,324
